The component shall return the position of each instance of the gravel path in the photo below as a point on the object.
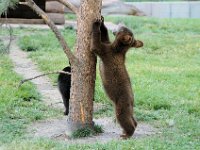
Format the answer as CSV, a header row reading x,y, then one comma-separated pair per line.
x,y
27,69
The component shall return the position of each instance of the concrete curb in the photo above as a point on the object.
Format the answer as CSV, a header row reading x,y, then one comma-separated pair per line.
x,y
169,9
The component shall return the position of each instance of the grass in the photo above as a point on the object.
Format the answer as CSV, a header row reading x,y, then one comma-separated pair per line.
x,y
164,75
70,16
18,107
3,48
86,132
28,44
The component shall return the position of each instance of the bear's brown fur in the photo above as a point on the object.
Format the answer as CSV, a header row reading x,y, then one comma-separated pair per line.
x,y
113,71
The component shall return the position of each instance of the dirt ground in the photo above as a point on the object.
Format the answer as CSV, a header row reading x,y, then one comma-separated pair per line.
x,y
55,129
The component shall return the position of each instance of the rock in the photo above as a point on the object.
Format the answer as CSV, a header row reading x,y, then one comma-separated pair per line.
x,y
170,122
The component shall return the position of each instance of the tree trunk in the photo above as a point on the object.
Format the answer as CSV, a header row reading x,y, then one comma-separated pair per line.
x,y
83,72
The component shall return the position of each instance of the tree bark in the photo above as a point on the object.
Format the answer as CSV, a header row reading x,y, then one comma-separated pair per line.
x,y
83,74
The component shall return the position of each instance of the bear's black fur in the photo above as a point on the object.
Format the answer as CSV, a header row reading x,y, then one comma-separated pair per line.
x,y
64,85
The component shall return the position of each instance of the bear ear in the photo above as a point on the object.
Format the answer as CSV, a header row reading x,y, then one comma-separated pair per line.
x,y
138,44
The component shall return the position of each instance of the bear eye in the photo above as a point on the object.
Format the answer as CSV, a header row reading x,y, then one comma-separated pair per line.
x,y
127,38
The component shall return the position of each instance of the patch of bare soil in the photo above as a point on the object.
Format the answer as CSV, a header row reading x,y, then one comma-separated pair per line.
x,y
55,128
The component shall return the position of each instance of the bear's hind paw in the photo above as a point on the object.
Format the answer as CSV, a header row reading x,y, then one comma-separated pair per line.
x,y
125,136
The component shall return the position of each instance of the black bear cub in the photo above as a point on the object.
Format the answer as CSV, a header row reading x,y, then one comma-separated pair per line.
x,y
113,72
64,85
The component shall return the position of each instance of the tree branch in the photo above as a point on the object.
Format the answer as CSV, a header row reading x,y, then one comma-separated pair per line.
x,y
69,5
53,27
41,75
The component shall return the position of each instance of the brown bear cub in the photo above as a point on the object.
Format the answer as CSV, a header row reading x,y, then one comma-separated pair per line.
x,y
113,71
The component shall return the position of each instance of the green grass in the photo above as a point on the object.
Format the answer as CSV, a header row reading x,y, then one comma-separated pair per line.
x,y
164,75
70,16
86,132
18,106
28,44
3,48
46,41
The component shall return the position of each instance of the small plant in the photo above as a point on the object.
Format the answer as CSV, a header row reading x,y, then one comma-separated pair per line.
x,y
27,93
98,129
85,132
27,44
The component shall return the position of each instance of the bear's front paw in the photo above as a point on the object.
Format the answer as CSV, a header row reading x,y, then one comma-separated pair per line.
x,y
97,23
